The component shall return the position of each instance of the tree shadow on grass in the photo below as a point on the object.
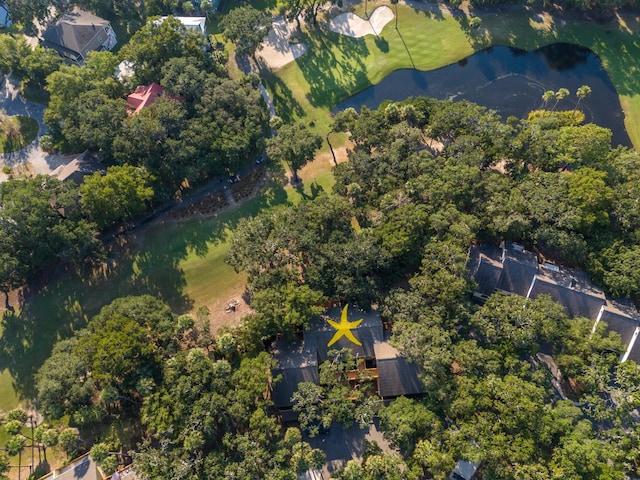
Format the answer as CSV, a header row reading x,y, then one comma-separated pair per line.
x,y
285,103
144,262
333,67
382,44
314,189
478,37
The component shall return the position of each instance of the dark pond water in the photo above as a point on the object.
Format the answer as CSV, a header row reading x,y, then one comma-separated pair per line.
x,y
512,82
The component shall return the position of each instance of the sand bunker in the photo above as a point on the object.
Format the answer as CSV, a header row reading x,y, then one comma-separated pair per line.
x,y
276,50
354,26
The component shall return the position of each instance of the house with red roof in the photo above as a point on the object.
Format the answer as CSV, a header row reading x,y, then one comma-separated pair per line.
x,y
145,95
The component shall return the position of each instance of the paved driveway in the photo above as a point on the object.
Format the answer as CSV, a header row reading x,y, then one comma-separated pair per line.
x,y
15,104
342,445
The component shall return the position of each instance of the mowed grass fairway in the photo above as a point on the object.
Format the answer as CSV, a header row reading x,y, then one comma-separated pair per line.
x,y
181,263
336,66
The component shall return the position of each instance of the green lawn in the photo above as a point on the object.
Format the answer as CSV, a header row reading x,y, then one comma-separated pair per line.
x,y
28,132
336,67
180,262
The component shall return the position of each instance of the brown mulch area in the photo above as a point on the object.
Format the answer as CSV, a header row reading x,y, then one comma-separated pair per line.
x,y
214,202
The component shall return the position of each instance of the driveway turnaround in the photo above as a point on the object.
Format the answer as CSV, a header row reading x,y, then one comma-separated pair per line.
x,y
15,104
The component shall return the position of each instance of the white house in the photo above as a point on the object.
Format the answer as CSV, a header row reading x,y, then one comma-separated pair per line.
x,y
193,23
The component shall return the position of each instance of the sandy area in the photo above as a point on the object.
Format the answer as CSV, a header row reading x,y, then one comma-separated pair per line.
x,y
276,50
221,317
353,26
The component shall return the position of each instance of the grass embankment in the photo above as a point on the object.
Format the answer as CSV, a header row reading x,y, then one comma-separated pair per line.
x,y
336,67
27,131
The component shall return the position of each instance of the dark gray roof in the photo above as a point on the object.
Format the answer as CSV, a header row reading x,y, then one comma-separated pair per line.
x,y
368,332
620,323
487,275
396,375
84,164
519,266
634,354
577,303
516,277
288,384
622,316
297,362
75,34
510,268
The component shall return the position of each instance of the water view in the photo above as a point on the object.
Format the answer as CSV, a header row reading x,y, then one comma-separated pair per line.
x,y
512,82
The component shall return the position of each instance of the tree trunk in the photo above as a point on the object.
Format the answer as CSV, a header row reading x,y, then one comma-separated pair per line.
x,y
575,109
332,152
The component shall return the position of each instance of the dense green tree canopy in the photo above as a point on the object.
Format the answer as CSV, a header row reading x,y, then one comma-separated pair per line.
x,y
295,146
41,222
121,194
513,385
245,26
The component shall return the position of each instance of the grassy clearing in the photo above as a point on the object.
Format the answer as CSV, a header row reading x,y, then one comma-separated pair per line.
x,y
181,263
336,67
8,397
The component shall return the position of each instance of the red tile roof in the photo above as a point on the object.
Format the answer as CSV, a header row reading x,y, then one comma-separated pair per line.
x,y
143,96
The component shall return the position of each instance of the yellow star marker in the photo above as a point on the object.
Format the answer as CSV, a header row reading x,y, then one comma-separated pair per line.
x,y
343,329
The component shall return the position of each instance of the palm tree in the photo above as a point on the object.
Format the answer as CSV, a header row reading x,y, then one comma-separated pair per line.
x,y
560,95
583,92
548,96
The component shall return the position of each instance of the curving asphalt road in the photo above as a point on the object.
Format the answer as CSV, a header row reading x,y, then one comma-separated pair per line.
x,y
15,104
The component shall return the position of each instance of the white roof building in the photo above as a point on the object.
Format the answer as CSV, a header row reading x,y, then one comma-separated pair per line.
x,y
193,23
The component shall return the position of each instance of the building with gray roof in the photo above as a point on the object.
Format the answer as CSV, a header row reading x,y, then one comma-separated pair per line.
x,y
512,269
76,33
298,361
368,332
396,374
82,165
